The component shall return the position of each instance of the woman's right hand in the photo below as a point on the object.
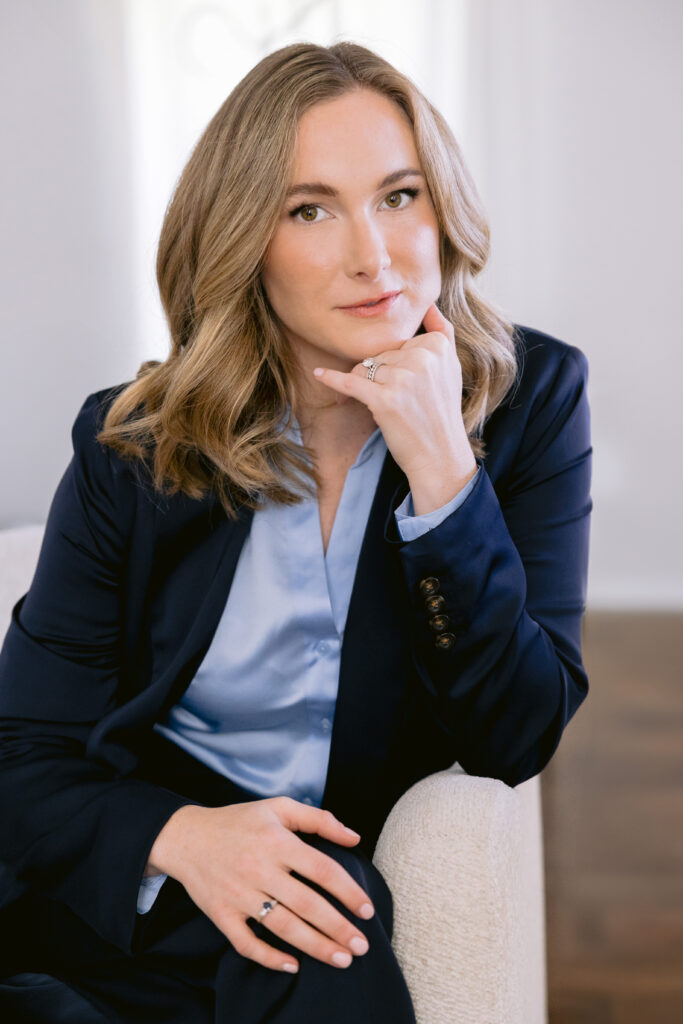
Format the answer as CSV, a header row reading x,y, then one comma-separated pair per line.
x,y
230,859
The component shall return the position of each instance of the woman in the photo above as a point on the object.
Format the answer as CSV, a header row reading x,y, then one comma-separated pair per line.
x,y
337,541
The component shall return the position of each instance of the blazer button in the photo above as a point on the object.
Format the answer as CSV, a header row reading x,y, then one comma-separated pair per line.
x,y
429,585
434,604
439,622
444,640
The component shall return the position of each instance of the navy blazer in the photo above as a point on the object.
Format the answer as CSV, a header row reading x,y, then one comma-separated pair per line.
x,y
130,587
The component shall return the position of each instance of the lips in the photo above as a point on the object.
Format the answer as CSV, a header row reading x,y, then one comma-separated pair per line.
x,y
371,301
375,308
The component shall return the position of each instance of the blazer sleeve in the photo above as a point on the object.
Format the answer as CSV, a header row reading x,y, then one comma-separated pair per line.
x,y
513,576
71,829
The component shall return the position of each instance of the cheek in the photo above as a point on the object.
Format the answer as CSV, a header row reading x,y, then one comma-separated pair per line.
x,y
297,265
423,261
425,247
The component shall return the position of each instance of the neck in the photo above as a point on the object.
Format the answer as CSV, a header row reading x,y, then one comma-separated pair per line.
x,y
332,423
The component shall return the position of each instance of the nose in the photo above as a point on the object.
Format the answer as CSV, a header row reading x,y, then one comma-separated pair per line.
x,y
367,251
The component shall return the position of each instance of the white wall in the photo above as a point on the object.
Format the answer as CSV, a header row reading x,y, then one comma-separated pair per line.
x,y
569,114
580,158
65,257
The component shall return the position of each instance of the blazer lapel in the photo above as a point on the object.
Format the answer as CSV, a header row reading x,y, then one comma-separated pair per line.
x,y
372,658
194,593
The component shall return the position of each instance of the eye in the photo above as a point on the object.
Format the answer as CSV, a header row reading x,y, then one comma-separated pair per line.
x,y
412,192
311,208
305,209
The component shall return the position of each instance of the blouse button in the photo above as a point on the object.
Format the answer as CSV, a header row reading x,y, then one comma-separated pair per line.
x,y
435,604
445,640
439,622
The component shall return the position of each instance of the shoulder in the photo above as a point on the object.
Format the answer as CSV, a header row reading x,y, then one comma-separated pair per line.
x,y
546,363
91,414
90,456
547,368
126,482
548,396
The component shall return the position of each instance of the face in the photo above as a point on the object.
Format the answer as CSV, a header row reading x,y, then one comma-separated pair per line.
x,y
357,230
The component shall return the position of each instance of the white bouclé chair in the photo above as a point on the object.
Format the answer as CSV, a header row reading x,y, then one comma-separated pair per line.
x,y
463,857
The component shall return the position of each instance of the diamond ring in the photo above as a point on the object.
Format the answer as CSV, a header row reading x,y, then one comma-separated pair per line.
x,y
372,367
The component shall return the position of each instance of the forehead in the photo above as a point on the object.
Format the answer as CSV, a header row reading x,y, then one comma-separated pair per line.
x,y
361,130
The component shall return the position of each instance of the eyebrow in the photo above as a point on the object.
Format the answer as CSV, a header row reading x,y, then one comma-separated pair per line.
x,y
321,189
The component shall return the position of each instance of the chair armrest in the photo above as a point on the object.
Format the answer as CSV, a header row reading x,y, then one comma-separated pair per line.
x,y
463,858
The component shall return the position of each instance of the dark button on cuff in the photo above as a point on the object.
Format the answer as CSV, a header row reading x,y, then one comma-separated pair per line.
x,y
439,623
444,640
434,604
429,585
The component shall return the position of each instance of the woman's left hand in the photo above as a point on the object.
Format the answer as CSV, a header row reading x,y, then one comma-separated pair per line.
x,y
416,401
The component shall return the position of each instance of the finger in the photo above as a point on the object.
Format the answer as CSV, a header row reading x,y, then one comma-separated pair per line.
x,y
359,387
300,817
311,907
385,361
418,359
249,945
330,875
350,384
283,922
434,320
300,857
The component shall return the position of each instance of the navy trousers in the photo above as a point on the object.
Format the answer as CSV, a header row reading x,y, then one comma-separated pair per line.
x,y
185,971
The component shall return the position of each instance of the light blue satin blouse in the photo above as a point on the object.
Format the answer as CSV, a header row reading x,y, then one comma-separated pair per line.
x,y
260,708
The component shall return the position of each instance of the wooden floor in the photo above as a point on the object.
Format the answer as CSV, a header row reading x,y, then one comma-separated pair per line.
x,y
613,827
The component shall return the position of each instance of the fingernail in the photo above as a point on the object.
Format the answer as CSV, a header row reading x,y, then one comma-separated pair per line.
x,y
292,968
359,946
342,959
352,831
366,910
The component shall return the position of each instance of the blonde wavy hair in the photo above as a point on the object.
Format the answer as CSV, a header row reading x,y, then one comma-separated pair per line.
x,y
210,416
